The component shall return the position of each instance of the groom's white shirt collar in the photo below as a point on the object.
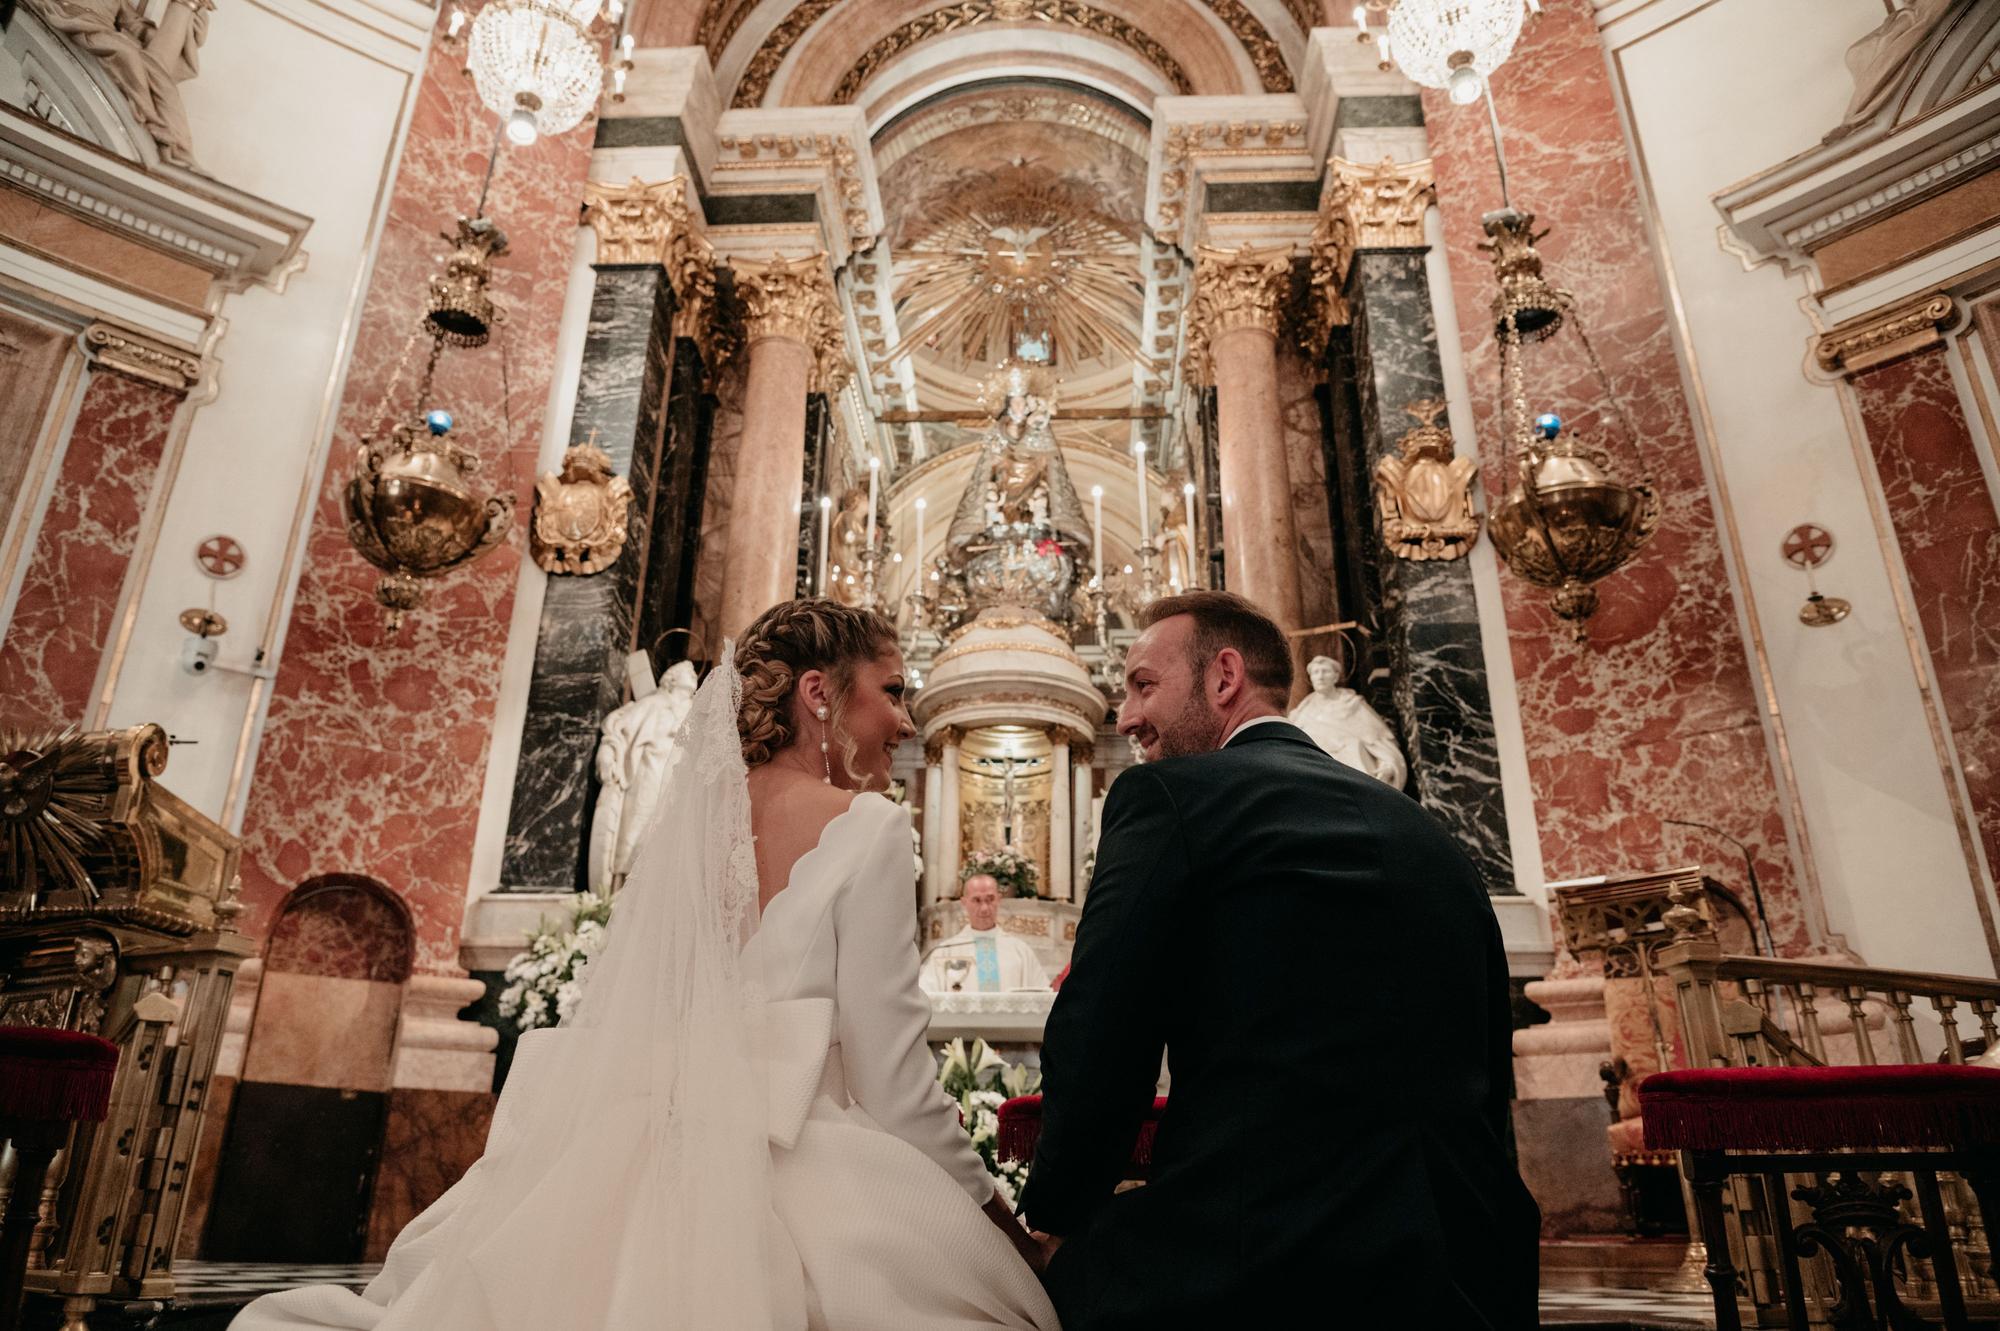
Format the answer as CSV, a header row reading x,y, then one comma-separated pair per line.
x,y
1253,721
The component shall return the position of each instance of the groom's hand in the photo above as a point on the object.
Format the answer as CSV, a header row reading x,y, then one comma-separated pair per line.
x,y
1047,1244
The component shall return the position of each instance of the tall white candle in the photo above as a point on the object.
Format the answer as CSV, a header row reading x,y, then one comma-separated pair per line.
x,y
874,481
918,553
1097,529
1145,516
825,534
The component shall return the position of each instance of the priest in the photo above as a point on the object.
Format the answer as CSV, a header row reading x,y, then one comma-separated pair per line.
x,y
979,958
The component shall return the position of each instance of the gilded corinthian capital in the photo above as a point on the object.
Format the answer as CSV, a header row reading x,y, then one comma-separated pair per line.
x,y
1378,207
783,297
794,299
1234,289
637,224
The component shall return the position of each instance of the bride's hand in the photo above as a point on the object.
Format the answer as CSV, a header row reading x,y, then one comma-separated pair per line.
x,y
1002,1215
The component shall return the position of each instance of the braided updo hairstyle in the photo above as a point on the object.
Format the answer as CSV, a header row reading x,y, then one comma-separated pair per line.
x,y
787,640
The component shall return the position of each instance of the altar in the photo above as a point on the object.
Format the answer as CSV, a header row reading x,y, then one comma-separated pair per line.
x,y
1009,713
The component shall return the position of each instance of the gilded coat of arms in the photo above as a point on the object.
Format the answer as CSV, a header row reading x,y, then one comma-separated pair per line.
x,y
580,514
1423,499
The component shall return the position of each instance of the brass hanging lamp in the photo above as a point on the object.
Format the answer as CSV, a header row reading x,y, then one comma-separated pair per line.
x,y
413,506
1568,521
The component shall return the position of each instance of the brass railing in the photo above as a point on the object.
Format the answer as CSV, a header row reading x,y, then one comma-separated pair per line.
x,y
1738,1011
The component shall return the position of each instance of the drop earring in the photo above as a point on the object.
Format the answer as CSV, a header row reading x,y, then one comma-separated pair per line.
x,y
825,761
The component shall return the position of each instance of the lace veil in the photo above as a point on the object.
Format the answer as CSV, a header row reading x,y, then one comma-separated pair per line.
x,y
626,1181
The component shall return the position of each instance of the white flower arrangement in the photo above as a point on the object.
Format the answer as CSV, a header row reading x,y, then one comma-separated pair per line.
x,y
545,982
1015,873
981,1081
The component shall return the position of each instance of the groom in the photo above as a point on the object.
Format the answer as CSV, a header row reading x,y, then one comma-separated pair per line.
x,y
1323,970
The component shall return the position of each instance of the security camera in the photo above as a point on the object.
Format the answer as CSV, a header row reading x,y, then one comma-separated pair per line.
x,y
198,655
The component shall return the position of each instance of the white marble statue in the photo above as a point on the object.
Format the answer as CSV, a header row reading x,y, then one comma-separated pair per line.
x,y
633,760
1341,722
147,61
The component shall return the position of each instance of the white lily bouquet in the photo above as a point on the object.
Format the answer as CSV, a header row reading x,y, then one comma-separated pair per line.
x,y
545,982
981,1081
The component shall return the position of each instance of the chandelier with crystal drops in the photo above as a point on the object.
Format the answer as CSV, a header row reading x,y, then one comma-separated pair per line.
x,y
1448,44
540,64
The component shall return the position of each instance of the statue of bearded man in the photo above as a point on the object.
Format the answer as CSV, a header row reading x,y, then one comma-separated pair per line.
x,y
1341,722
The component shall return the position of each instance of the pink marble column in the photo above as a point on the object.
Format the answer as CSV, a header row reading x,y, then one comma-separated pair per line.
x,y
63,620
1238,295
786,308
1658,717
1949,533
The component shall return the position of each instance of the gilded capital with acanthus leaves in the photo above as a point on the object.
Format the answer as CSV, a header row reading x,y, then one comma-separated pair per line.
x,y
1234,289
1377,207
794,299
1243,288
638,223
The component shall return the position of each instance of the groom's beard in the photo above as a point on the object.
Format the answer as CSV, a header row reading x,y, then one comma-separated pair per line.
x,y
1195,730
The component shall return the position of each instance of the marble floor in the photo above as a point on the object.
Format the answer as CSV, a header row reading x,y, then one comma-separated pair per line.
x,y
215,1283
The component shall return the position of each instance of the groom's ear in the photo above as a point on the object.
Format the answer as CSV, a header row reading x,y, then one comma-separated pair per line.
x,y
1227,676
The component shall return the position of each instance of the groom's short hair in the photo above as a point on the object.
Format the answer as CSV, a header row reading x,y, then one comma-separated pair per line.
x,y
1224,619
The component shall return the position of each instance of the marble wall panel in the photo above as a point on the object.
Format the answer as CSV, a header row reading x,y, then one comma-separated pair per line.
x,y
588,622
347,930
320,1030
429,1140
1428,615
69,597
1657,716
372,758
725,445
31,370
666,614
1948,532
1305,462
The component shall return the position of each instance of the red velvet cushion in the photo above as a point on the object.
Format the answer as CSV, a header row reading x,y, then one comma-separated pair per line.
x,y
1925,1105
1021,1128
57,1075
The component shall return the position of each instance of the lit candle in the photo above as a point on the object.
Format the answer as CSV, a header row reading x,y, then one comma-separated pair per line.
x,y
825,534
922,504
1097,530
1145,516
874,480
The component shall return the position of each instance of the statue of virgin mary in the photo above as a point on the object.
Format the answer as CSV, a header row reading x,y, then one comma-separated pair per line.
x,y
1019,531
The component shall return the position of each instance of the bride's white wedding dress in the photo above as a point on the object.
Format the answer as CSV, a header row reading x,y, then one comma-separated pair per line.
x,y
742,1126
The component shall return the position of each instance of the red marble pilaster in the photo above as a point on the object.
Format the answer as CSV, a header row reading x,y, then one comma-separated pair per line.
x,y
1949,533
1658,716
63,620
374,754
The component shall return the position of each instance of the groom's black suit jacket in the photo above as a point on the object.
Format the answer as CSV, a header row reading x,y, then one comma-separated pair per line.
x,y
1325,972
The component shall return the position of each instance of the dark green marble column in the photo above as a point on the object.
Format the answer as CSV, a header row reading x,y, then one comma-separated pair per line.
x,y
639,398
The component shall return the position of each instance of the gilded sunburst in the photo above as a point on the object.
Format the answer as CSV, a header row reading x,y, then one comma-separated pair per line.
x,y
1022,253
53,792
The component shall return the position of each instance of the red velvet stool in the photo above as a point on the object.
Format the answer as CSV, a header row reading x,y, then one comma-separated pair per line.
x,y
1021,1128
1837,1124
49,1080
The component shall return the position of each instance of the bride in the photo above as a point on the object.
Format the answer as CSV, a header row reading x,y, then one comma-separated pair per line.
x,y
740,1127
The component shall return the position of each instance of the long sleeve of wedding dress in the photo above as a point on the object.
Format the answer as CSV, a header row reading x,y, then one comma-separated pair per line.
x,y
882,1016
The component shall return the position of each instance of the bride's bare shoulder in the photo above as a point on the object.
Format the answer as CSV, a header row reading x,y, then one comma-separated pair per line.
x,y
802,804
